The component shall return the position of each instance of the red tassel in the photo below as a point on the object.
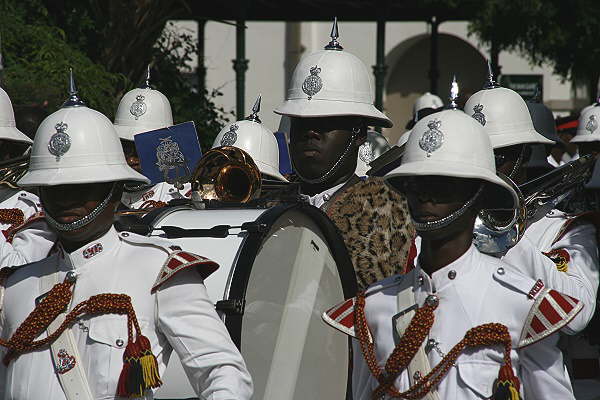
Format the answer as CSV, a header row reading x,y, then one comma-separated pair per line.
x,y
140,369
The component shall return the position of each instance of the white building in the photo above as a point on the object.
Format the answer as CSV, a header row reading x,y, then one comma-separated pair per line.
x,y
273,49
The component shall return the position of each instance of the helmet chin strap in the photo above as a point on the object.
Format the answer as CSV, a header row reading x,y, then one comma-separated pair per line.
x,y
518,164
80,223
329,173
444,222
132,188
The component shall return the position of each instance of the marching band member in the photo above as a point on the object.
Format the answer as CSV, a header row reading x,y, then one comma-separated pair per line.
x,y
127,301
141,110
559,249
25,236
255,139
455,326
330,105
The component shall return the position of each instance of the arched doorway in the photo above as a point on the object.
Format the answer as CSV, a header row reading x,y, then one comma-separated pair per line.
x,y
409,75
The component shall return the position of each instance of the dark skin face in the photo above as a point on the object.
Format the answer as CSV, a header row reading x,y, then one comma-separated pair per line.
x,y
586,148
69,203
506,159
10,149
317,143
431,198
131,155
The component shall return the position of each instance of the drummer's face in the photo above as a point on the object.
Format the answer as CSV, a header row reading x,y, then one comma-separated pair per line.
x,y
316,144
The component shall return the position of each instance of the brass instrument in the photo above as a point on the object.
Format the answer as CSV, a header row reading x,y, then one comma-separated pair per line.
x,y
498,231
227,174
12,170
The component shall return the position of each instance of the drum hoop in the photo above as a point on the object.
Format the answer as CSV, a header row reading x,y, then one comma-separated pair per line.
x,y
252,243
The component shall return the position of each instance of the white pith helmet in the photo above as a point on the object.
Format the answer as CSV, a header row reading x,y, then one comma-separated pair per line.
x,y
587,128
427,100
76,145
330,83
251,136
141,110
375,145
8,127
450,143
504,116
403,138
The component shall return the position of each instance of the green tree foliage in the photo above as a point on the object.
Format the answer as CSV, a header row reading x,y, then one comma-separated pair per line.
x,y
561,33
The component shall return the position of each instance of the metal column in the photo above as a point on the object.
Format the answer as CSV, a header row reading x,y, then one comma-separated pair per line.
x,y
201,69
433,57
494,59
380,69
240,65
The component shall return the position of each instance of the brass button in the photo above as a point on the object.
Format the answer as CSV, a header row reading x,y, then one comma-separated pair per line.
x,y
71,276
119,342
432,300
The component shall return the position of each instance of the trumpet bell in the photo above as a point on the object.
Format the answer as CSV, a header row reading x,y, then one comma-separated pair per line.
x,y
227,174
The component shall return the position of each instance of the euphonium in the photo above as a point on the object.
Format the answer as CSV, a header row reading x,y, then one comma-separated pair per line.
x,y
227,174
12,170
496,231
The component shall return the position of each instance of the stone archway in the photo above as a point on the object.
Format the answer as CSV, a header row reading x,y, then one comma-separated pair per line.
x,y
409,69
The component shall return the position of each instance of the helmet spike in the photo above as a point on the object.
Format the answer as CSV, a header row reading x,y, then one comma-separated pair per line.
x,y
454,91
334,44
255,110
491,83
74,100
146,84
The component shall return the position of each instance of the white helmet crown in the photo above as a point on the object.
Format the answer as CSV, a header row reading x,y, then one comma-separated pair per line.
x,y
450,143
76,145
141,110
375,145
8,127
588,128
427,100
330,83
251,136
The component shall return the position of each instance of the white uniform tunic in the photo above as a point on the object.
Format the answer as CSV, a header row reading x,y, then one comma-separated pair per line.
x,y
160,192
319,199
483,290
178,316
34,241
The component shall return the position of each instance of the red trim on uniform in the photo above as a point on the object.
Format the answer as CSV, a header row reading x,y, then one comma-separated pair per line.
x,y
348,320
341,309
549,312
562,302
187,256
537,325
174,263
568,125
539,285
410,260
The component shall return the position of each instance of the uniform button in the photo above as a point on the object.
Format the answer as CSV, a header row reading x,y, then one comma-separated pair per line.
x,y
432,300
71,276
119,342
500,271
451,274
421,280
124,234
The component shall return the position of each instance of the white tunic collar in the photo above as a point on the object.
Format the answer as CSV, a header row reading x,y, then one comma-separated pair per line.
x,y
91,251
450,273
321,198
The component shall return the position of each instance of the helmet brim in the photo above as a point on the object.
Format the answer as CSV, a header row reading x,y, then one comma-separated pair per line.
x,y
128,132
12,133
81,175
303,108
499,196
518,137
269,170
585,138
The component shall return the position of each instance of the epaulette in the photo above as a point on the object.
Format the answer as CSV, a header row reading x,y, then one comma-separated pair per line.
x,y
341,317
177,259
551,312
10,233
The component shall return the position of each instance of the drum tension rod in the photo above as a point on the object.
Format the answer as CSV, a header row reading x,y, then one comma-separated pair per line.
x,y
217,231
231,306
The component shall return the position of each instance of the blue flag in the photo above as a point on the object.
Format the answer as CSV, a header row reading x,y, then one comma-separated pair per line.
x,y
169,154
285,165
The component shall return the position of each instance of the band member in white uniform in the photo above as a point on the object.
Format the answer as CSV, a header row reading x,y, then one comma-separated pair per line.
x,y
25,236
127,301
455,326
255,139
560,249
142,110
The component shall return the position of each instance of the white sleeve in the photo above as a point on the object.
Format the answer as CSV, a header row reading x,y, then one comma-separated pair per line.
x,y
581,278
190,323
542,371
30,244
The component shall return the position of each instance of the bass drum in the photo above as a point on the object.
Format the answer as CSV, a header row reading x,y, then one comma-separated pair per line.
x,y
280,268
